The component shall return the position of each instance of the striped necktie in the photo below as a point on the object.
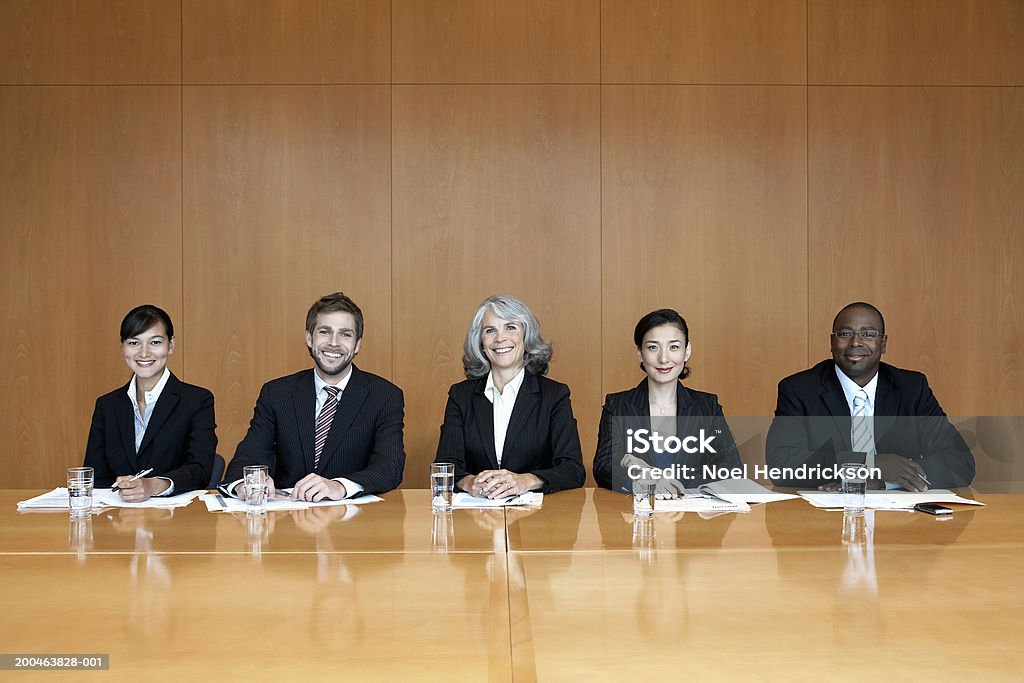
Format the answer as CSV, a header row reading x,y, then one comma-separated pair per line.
x,y
862,435
323,423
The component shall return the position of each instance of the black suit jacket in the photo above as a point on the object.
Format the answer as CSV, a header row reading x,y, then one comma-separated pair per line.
x,y
179,442
541,439
364,444
695,410
812,423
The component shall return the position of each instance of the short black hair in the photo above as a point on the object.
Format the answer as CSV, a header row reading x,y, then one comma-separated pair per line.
x,y
662,316
860,304
143,317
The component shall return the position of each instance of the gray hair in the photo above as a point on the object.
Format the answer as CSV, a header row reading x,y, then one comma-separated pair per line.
x,y
536,351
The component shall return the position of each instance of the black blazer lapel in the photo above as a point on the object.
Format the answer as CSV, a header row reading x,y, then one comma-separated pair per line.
x,y
526,402
483,415
349,404
304,403
887,406
168,401
126,424
835,401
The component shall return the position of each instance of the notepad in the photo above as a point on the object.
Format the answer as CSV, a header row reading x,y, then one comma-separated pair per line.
x,y
742,491
464,501
216,502
887,500
57,499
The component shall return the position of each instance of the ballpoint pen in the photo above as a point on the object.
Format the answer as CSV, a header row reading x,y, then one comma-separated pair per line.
x,y
140,475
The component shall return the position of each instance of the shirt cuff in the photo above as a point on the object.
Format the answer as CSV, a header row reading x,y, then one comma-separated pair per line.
x,y
229,489
170,489
352,489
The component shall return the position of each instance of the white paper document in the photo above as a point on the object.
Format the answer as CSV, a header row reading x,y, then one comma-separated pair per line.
x,y
695,502
887,500
57,499
743,491
217,502
464,501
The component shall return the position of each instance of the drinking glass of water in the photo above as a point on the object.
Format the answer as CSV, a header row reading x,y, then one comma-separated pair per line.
x,y
255,486
80,481
442,484
855,484
643,498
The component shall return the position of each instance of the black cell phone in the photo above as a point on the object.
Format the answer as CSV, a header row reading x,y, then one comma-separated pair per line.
x,y
933,509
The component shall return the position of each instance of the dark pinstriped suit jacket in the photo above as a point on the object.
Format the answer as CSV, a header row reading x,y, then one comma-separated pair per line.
x,y
541,439
179,442
364,444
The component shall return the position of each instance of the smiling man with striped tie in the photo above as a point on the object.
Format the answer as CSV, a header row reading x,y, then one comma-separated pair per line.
x,y
856,403
330,432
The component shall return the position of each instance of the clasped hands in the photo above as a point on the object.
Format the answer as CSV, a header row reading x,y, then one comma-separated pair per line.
x,y
134,490
499,484
895,468
311,487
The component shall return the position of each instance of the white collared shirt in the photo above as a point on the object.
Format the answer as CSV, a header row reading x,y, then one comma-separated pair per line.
x,y
351,488
141,420
504,402
850,390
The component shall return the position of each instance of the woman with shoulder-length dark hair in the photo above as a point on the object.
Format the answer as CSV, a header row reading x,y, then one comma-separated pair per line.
x,y
155,422
661,404
507,428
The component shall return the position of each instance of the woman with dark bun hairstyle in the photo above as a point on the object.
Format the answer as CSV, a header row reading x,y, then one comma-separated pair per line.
x,y
660,404
155,421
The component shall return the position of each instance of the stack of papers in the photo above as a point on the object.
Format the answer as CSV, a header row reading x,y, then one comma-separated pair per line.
x,y
699,503
216,502
463,501
887,500
742,491
57,499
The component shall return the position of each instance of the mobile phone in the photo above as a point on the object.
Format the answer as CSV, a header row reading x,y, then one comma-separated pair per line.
x,y
933,509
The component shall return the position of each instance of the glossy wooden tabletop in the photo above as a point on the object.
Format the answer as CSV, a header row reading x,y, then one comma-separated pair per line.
x,y
577,589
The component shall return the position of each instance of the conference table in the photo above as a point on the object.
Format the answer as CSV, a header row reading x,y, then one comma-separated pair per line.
x,y
575,589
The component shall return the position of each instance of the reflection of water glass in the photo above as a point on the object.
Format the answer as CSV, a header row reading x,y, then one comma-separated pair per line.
x,y
643,535
442,534
855,483
255,486
643,498
80,535
80,481
854,528
442,484
256,532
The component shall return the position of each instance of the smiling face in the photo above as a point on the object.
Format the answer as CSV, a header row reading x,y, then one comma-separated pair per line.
x,y
856,356
502,341
333,344
146,353
664,352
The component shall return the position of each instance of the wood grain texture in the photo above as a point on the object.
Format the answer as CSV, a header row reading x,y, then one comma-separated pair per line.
x,y
90,41
496,41
703,41
91,227
704,211
287,199
283,41
496,190
916,42
917,205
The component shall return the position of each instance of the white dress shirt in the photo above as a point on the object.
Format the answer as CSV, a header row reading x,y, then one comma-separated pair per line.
x,y
351,488
504,402
141,419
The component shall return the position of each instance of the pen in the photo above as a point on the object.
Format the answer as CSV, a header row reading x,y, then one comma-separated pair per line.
x,y
140,475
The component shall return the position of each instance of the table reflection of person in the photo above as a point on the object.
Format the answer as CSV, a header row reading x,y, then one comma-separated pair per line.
x,y
507,428
155,421
662,404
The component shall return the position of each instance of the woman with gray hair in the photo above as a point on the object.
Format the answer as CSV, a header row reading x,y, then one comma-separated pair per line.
x,y
507,428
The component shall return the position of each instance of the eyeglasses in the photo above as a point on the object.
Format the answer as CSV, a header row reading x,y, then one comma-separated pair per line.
x,y
866,335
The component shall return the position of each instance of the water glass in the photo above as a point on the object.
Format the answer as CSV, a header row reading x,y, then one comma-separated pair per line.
x,y
643,498
255,486
80,481
442,485
855,484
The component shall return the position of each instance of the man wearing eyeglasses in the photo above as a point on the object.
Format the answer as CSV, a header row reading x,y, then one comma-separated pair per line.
x,y
855,404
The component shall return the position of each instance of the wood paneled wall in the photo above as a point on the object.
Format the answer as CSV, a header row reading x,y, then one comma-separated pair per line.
x,y
754,163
